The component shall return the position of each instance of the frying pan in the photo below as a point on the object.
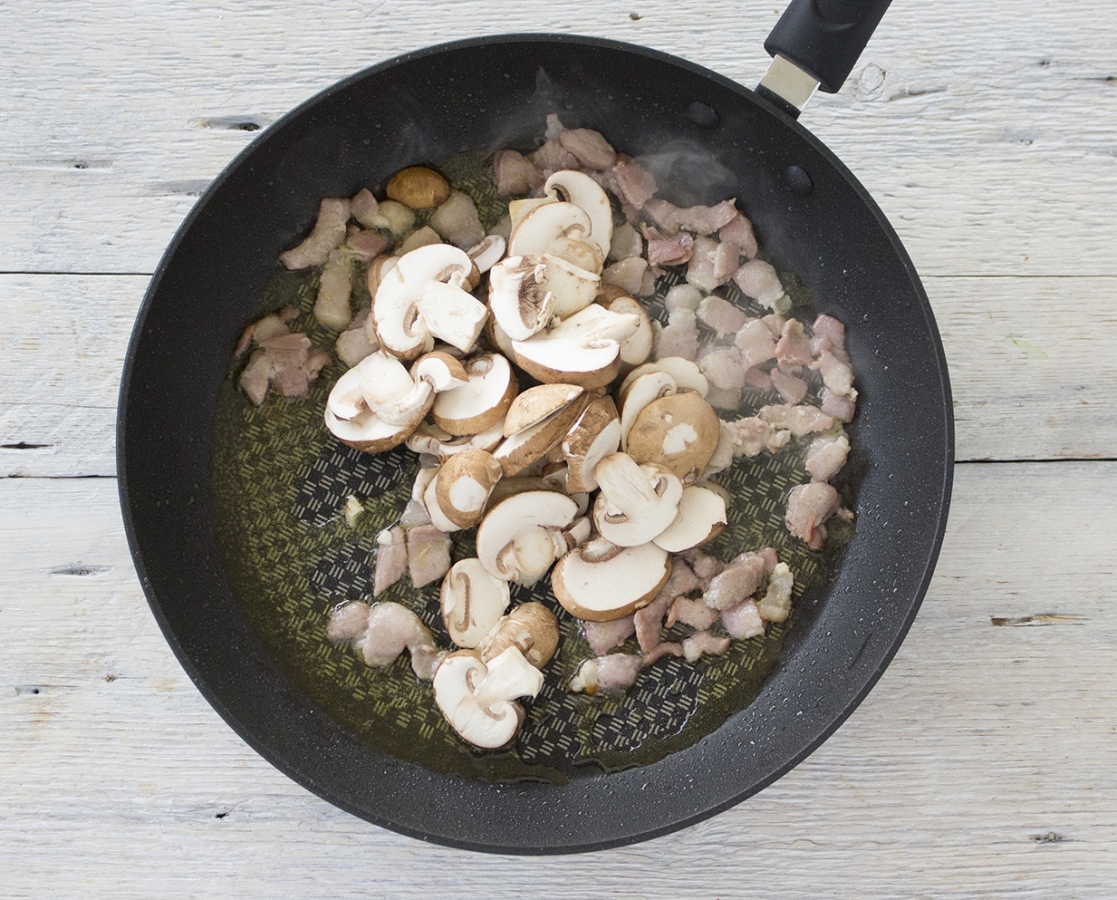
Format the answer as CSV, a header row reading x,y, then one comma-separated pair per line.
x,y
814,218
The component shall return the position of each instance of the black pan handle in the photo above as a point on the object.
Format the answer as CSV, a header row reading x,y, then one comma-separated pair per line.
x,y
824,38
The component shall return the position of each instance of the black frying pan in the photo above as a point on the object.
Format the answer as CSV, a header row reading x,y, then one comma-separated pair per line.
x,y
814,219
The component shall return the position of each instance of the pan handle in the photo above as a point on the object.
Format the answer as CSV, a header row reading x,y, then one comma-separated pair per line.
x,y
822,39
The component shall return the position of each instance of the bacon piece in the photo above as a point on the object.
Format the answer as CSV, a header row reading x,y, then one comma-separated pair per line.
x,y
726,259
613,673
693,613
703,642
328,233
759,280
830,328
335,285
704,566
751,435
679,337
743,620
791,389
808,508
661,650
794,345
669,251
391,559
758,379
589,147
704,220
738,230
515,174
353,344
700,269
366,244
392,628
721,315
635,184
839,406
826,456
551,157
775,605
347,622
604,636
836,374
755,342
723,368
735,582
364,208
255,377
799,420
649,620
428,554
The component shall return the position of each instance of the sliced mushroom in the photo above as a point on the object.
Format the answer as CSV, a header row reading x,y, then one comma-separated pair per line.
x,y
478,700
365,430
583,349
487,252
463,486
600,581
595,434
585,193
536,404
637,347
639,393
428,438
531,628
452,314
636,502
701,518
561,229
521,536
392,394
518,209
687,375
523,448
519,300
484,399
679,431
472,603
438,517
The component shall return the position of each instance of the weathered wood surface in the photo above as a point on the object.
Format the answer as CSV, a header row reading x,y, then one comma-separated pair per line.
x,y
982,763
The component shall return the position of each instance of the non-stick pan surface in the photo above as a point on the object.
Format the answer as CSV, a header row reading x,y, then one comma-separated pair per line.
x,y
814,219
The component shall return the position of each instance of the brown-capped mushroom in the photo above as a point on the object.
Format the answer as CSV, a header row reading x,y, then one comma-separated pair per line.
x,y
679,431
638,394
701,518
428,438
523,448
637,347
538,403
636,502
478,700
582,349
472,603
600,581
418,188
593,436
531,628
484,399
464,484
685,372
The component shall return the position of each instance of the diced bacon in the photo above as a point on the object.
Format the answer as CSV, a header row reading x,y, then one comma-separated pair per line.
x,y
347,622
722,367
735,582
627,274
721,315
272,325
554,127
726,260
428,554
836,374
703,220
364,208
775,605
604,636
682,296
770,559
794,345
661,650
289,349
635,184
683,579
254,379
839,406
728,399
791,389
739,231
703,642
515,174
756,343
617,671
752,434
328,233
799,420
335,285
391,559
743,620
808,508
670,251
700,270
679,337
693,613
829,327
704,566
589,147
353,345
392,628
723,453
826,456
758,379
551,157
775,322
366,244
758,280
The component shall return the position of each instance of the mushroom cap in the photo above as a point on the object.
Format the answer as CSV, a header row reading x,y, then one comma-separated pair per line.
x,y
537,403
514,518
472,603
679,431
488,725
636,502
521,449
531,628
441,370
436,441
686,373
600,582
637,347
582,349
639,393
418,187
581,190
593,436
465,482
701,518
561,229
485,398
488,252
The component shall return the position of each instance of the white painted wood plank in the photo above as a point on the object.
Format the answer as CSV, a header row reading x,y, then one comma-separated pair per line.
x,y
985,131
1030,381
977,767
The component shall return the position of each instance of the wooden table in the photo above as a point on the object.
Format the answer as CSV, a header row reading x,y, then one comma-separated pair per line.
x,y
985,761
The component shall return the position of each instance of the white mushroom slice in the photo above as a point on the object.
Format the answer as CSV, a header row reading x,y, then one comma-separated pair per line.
x,y
431,439
637,347
583,349
438,517
636,503
521,305
531,628
452,314
601,582
679,431
521,449
639,393
687,375
595,435
484,399
465,482
402,327
488,252
561,229
484,714
390,392
585,193
346,400
518,209
572,287
366,432
538,403
377,271
440,370
511,539
472,602
701,518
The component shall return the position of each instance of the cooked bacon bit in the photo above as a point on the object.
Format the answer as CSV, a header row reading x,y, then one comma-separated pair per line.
x,y
791,389
693,613
743,620
393,628
794,346
827,455
705,567
758,379
515,174
589,147
703,220
245,341
683,296
738,230
830,328
669,251
649,621
661,650
285,350
700,270
335,285
551,157
721,315
604,636
735,582
635,184
347,622
255,377
391,559
775,605
428,554
799,420
288,314
270,326
839,406
366,244
679,337
758,280
353,345
364,208
808,508
756,343
617,671
628,274
836,374
703,642
328,233
726,259
751,435
722,367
